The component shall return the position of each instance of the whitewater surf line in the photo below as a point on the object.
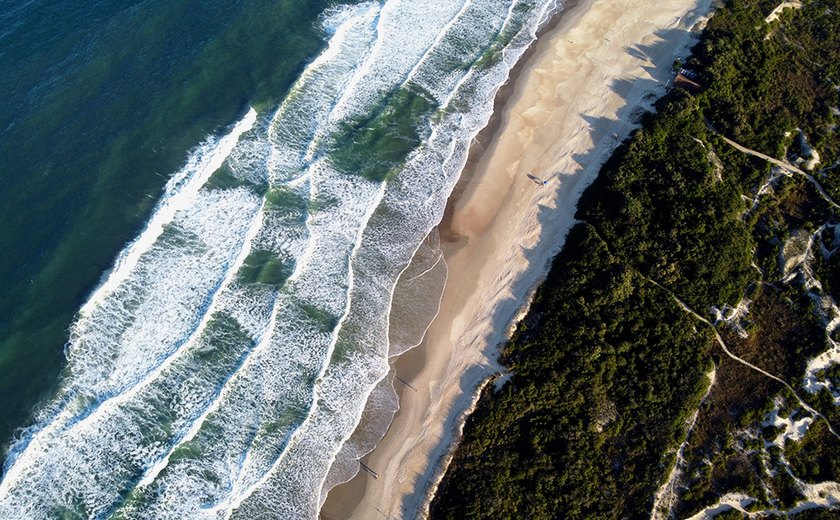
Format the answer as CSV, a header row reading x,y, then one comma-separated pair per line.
x,y
225,362
353,376
148,378
179,192
319,380
152,472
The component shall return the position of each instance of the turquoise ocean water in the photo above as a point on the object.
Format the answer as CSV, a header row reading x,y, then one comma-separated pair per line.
x,y
100,103
205,208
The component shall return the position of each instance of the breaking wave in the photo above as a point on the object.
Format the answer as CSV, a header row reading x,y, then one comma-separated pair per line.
x,y
224,362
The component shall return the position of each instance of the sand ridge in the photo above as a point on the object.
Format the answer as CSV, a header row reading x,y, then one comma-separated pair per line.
x,y
574,101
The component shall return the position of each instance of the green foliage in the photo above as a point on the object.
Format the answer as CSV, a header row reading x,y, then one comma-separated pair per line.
x,y
663,206
731,514
599,393
607,368
814,459
817,514
767,80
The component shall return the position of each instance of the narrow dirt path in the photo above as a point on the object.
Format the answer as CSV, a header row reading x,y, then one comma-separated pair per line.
x,y
781,164
744,362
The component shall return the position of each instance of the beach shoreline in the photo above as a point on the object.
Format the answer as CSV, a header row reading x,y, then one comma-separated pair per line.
x,y
568,104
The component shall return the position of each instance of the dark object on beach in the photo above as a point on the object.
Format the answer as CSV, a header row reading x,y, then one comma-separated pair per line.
x,y
537,180
366,468
403,381
687,83
690,74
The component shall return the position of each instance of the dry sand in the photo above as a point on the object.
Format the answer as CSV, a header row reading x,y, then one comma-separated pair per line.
x,y
576,98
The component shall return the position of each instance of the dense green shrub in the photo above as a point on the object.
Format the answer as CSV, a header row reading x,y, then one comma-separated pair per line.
x,y
607,368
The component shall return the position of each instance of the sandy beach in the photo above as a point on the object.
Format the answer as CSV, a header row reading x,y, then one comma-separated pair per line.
x,y
574,100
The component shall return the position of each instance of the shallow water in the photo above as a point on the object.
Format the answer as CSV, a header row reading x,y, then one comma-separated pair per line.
x,y
227,356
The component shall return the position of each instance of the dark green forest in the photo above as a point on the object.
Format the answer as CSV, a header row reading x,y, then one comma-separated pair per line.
x,y
611,375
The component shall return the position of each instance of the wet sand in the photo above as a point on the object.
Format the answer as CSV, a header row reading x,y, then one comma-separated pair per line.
x,y
576,96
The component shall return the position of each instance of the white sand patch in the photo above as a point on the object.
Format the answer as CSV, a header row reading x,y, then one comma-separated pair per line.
x,y
774,14
808,158
666,497
798,255
767,187
734,317
793,427
795,251
822,495
737,501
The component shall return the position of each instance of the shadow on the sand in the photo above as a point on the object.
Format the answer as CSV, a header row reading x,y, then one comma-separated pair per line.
x,y
607,134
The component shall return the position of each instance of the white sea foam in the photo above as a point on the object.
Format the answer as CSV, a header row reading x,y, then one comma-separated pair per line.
x,y
339,410
180,192
226,359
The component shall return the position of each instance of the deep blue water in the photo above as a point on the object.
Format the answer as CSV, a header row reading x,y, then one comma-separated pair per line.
x,y
209,206
100,101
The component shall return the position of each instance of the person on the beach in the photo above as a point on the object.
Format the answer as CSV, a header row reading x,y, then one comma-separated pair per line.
x,y
537,180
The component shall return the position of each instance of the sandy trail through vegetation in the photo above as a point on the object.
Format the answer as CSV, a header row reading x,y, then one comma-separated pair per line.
x,y
782,164
744,362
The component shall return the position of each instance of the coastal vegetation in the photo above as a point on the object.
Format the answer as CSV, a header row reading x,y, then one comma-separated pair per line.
x,y
616,381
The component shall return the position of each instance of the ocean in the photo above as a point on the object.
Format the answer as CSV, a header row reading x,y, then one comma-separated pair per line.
x,y
207,208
